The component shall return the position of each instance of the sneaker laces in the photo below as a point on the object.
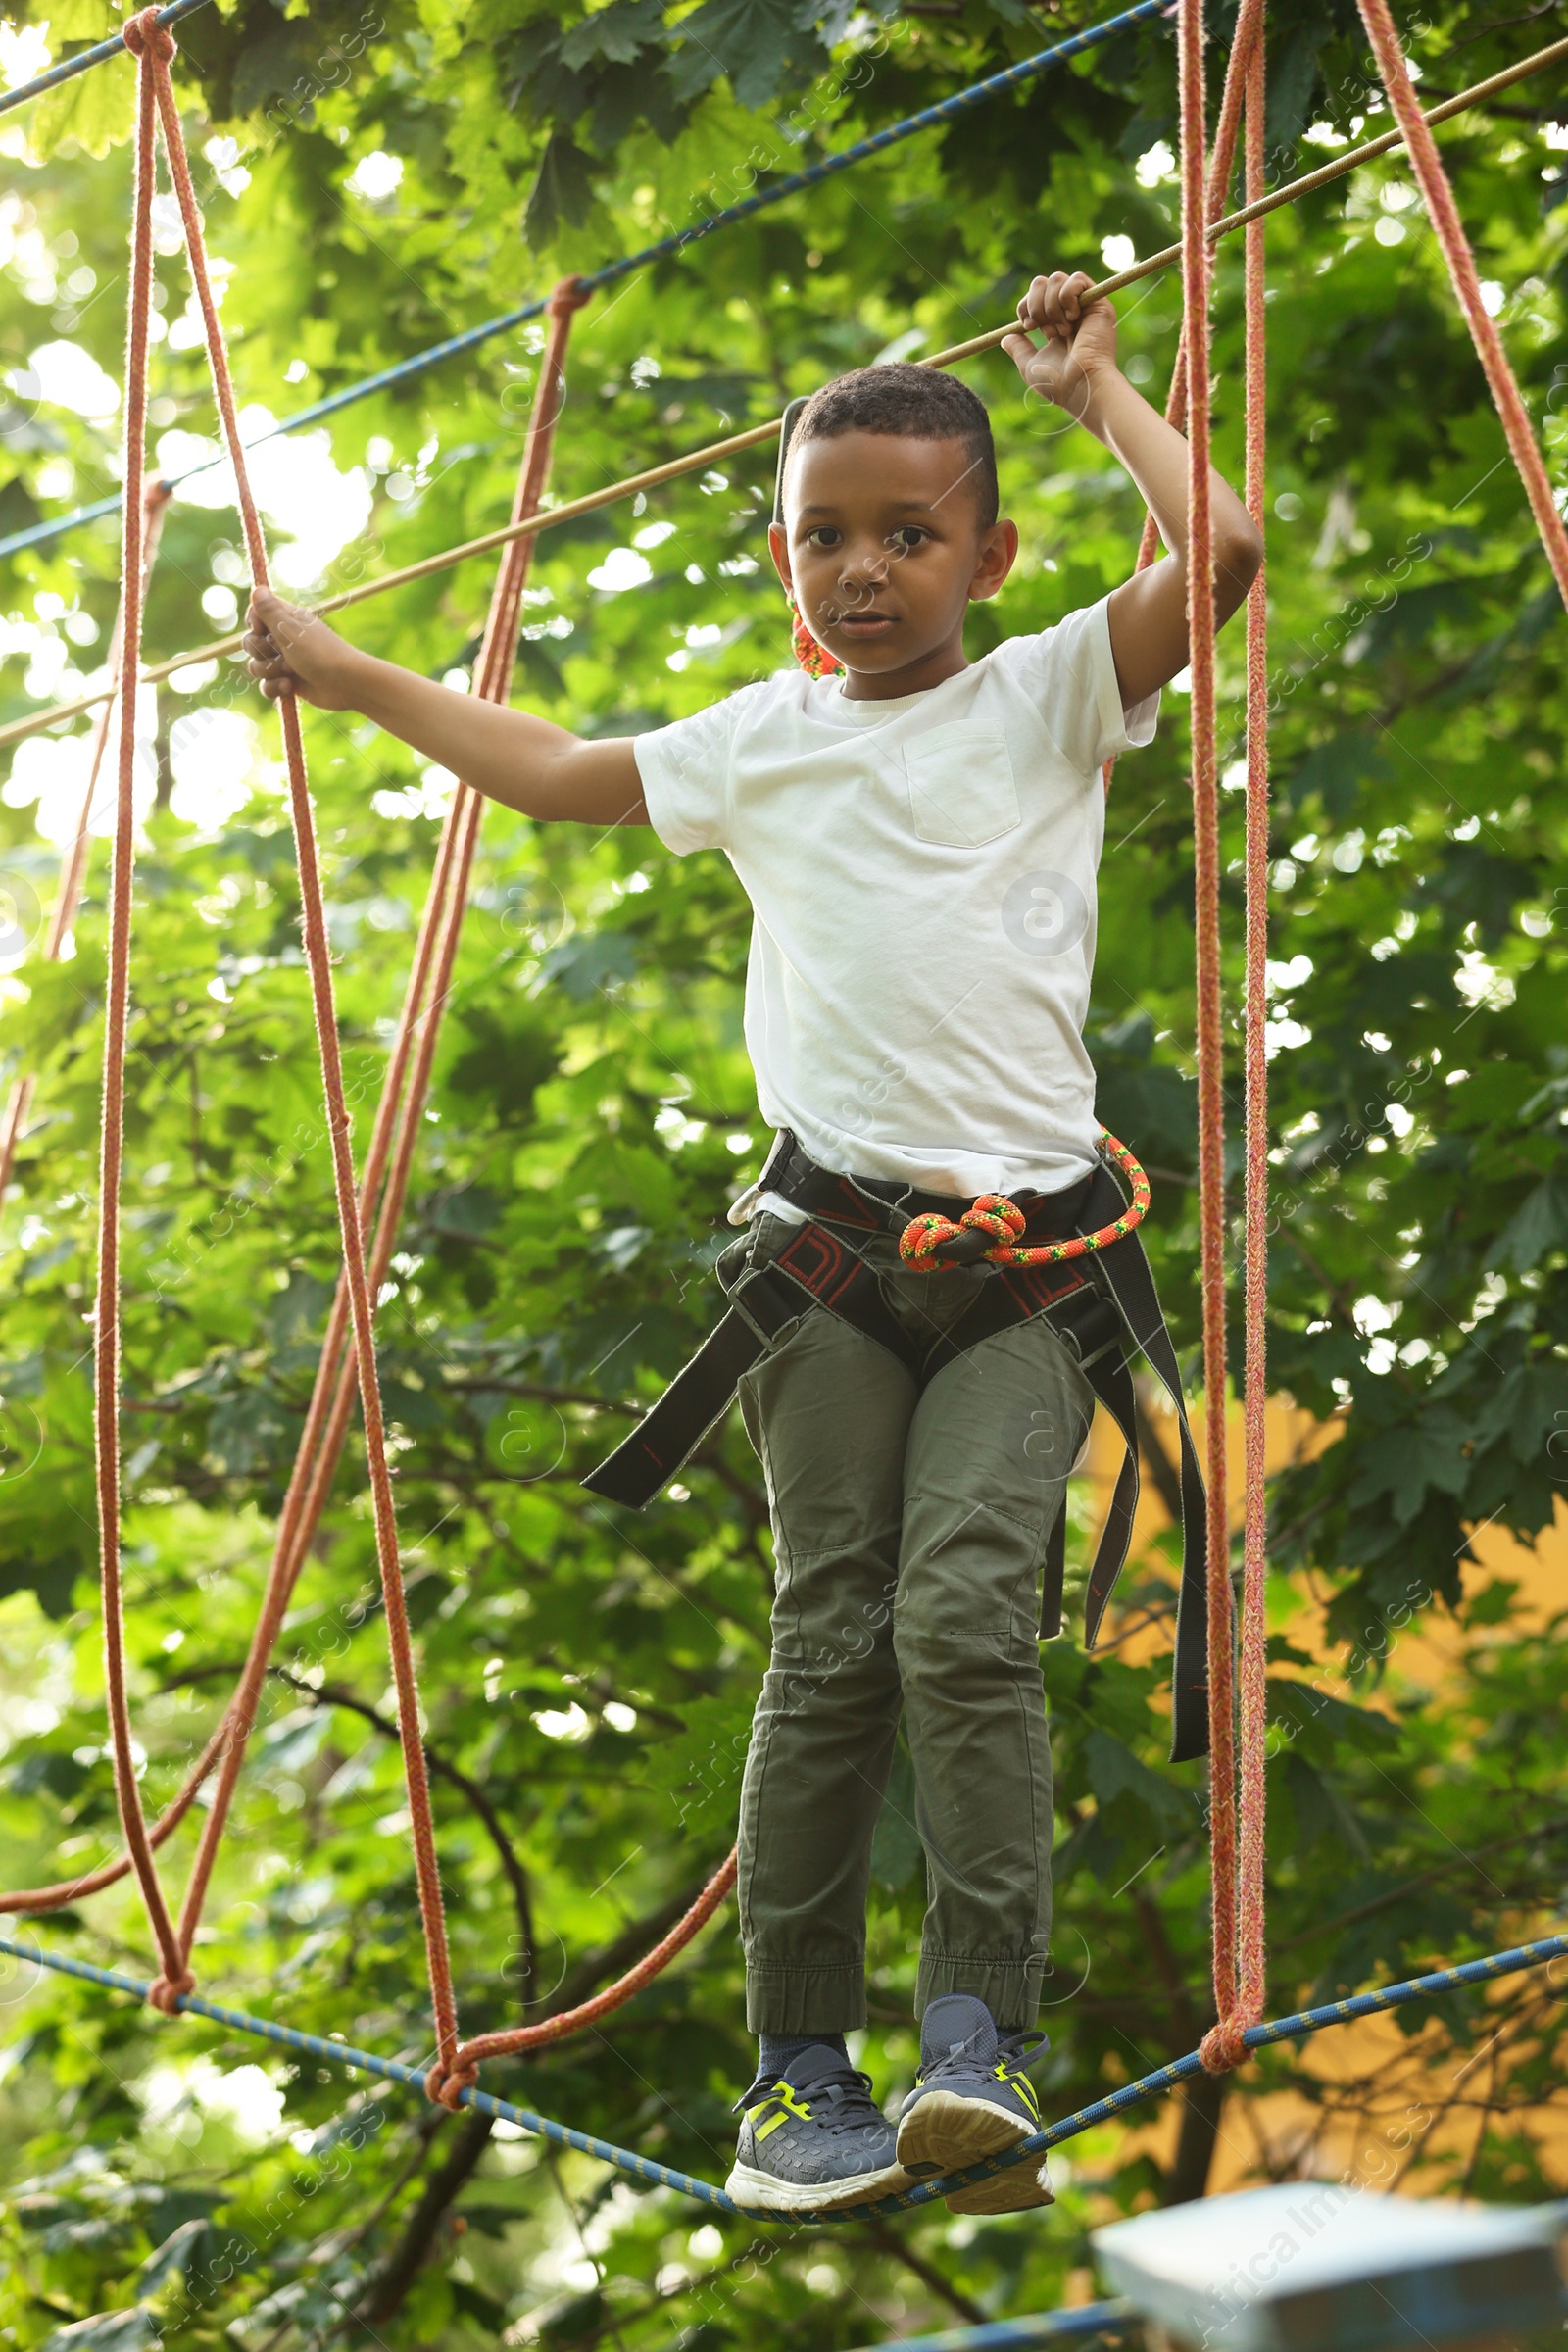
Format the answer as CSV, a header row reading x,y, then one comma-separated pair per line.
x,y
846,2092
1014,2050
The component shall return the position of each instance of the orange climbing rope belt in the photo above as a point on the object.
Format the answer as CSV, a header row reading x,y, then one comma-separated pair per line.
x,y
993,1227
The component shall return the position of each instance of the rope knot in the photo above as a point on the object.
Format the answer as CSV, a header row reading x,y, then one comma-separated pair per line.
x,y
933,1242
164,1992
144,36
1223,2048
447,2089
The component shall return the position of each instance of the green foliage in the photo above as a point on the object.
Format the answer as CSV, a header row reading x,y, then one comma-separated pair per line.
x,y
587,1674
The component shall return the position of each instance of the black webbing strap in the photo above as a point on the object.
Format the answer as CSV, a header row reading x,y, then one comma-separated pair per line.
x,y
817,1269
672,1428
1126,1269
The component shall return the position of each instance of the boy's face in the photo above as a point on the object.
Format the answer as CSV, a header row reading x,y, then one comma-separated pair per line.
x,y
883,549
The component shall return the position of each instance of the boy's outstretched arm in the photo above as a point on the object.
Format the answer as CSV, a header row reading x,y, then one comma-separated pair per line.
x,y
510,756
1076,368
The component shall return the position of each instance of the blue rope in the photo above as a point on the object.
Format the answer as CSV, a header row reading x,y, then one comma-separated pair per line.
x,y
98,55
962,102
641,2167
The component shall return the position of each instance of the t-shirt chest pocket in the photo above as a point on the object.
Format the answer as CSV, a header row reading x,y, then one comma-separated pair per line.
x,y
961,787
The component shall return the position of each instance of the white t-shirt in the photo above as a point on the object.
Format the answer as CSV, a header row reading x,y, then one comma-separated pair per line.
x,y
921,873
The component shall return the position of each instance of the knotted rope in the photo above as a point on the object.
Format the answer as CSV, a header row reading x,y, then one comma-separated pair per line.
x,y
928,1241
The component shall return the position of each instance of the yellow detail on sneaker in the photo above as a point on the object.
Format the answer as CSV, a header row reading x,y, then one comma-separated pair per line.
x,y
787,2102
1019,2084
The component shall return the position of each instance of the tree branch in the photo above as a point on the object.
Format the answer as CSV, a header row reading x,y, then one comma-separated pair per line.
x,y
332,1695
886,2240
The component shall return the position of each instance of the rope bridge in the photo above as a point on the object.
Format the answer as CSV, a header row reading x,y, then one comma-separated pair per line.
x,y
1110,2109
368,1209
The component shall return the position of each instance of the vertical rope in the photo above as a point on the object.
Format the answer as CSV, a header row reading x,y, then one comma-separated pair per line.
x,y
1225,2047
117,1016
1210,1033
1444,214
1251,1957
1223,163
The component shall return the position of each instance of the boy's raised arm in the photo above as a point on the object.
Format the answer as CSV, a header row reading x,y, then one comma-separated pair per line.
x,y
509,755
1076,368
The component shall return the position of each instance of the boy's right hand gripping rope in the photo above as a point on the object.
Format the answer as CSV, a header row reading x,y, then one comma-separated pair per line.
x,y
933,1244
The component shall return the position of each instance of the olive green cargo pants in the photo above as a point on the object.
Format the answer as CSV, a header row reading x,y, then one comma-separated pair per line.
x,y
910,1531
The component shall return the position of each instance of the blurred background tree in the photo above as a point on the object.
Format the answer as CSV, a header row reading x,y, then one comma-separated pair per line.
x,y
379,176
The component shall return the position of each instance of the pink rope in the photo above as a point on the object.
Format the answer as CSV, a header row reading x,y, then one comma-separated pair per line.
x,y
1444,214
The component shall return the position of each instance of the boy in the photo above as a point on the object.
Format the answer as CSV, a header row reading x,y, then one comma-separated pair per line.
x,y
920,842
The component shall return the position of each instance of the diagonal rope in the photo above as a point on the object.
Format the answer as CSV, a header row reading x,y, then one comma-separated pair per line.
x,y
1444,214
389,1159
1011,78
155,49
1116,2103
694,460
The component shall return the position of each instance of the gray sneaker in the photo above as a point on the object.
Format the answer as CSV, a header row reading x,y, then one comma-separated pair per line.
x,y
973,2099
811,2139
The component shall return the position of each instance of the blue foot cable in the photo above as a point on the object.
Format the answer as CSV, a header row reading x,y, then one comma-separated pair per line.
x,y
98,55
641,2167
962,102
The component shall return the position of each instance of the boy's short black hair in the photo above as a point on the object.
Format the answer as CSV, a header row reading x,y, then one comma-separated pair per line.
x,y
914,404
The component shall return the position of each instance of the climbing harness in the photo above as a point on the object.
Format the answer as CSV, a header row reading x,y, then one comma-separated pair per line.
x,y
1090,1280
1094,1289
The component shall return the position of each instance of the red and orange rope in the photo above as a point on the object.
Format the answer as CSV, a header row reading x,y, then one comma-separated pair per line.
x,y
349,1357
